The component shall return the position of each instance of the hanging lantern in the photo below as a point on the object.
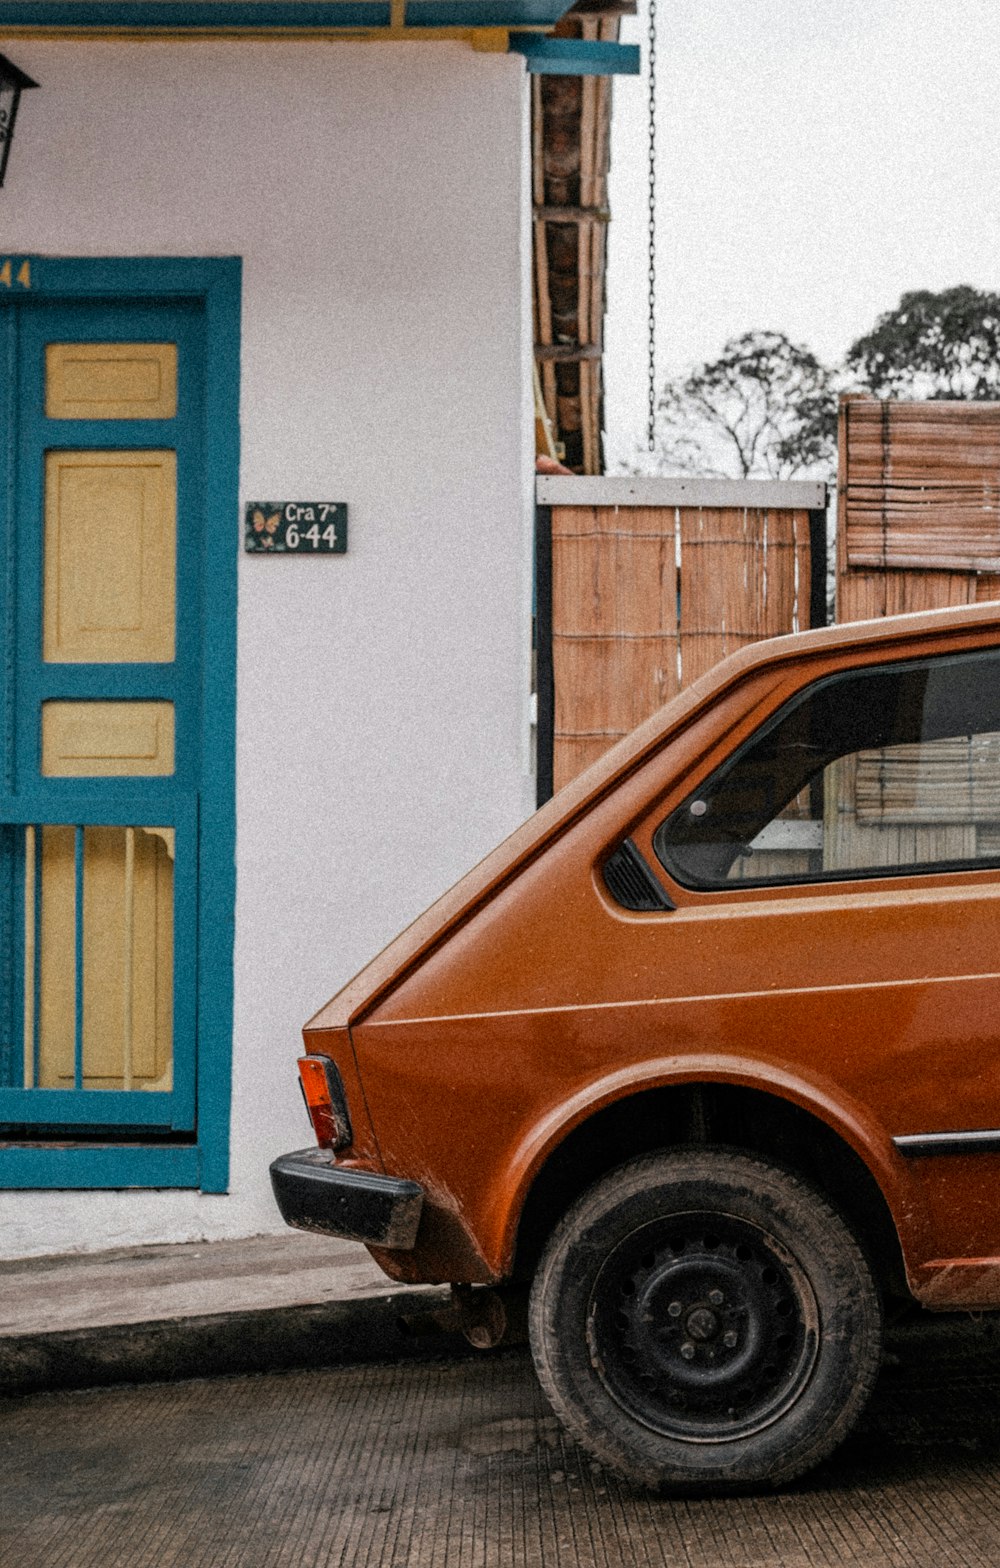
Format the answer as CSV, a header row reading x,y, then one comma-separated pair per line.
x,y
12,83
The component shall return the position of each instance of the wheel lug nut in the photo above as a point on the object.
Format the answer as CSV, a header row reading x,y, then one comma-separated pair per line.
x,y
716,1298
687,1350
729,1338
675,1309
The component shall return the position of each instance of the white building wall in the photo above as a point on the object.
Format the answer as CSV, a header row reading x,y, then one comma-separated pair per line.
x,y
378,196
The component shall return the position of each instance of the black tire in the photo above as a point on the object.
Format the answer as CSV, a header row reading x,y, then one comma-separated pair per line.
x,y
703,1321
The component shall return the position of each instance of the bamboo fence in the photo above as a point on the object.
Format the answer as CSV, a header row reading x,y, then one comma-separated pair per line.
x,y
918,528
648,597
918,506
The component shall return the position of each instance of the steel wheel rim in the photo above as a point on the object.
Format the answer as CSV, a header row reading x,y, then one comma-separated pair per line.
x,y
703,1327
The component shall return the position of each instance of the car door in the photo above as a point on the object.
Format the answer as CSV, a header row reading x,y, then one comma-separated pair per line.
x,y
837,883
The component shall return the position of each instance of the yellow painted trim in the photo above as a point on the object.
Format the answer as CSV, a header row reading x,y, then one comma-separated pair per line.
x,y
128,961
56,960
491,40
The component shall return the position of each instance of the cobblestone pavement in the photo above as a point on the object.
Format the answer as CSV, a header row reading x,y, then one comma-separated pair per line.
x,y
460,1465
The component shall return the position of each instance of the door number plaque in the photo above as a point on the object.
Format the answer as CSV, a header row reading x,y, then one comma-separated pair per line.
x,y
296,527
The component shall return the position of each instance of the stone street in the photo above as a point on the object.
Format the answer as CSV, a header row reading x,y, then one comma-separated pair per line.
x,y
458,1463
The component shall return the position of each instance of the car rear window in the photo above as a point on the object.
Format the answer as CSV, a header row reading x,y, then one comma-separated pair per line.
x,y
873,772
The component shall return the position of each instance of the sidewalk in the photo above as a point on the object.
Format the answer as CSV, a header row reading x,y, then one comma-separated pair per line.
x,y
201,1308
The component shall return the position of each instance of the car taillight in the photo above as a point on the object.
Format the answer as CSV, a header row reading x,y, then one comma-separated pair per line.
x,y
325,1101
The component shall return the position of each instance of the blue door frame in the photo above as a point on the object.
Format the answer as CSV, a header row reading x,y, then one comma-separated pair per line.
x,y
177,1137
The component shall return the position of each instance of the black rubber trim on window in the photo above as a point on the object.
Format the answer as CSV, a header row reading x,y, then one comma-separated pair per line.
x,y
631,883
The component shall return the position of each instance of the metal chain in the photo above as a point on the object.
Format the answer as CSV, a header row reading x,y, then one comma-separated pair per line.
x,y
651,419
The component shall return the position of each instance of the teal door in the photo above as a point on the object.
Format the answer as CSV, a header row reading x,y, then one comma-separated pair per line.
x,y
102,751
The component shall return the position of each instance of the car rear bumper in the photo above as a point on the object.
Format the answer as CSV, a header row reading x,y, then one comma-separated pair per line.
x,y
315,1194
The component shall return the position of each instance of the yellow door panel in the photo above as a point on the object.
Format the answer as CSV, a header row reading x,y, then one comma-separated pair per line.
x,y
111,380
57,960
105,739
110,557
30,851
127,958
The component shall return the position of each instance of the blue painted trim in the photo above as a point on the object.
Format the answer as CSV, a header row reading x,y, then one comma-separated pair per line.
x,y
158,809
105,15
78,966
483,13
100,1166
36,1042
188,861
217,820
576,56
8,501
8,654
80,681
88,1107
8,925
213,286
114,277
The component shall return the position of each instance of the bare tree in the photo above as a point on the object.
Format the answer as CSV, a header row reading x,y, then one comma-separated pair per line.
x,y
766,408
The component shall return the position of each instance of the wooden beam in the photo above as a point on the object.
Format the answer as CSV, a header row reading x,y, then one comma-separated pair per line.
x,y
567,353
572,214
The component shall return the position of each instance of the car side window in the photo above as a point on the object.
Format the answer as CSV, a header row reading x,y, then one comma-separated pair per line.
x,y
871,772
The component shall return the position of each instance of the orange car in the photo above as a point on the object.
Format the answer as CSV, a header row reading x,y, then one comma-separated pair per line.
x,y
707,1052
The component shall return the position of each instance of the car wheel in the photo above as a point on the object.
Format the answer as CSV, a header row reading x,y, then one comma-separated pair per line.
x,y
704,1321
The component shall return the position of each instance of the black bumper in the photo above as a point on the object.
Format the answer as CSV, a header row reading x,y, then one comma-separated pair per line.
x,y
314,1194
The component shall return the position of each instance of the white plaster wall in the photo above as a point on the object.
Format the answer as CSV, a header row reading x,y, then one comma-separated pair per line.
x,y
378,196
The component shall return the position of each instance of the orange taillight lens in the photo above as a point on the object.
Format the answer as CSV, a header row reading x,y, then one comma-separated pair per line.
x,y
325,1101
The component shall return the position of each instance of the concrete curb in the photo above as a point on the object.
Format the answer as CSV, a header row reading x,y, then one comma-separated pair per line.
x,y
392,1327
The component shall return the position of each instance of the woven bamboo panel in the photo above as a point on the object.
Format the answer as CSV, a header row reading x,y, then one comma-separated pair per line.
x,y
918,529
614,626
940,781
645,600
744,576
866,840
919,442
866,595
920,486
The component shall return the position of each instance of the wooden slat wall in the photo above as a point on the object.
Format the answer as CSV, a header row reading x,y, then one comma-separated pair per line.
x,y
647,599
918,506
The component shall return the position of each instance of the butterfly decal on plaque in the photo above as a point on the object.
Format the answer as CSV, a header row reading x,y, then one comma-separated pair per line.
x,y
265,526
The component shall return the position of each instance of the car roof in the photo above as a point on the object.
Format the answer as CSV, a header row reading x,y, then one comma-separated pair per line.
x,y
601,776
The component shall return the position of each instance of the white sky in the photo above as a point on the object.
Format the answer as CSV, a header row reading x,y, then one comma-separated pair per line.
x,y
814,161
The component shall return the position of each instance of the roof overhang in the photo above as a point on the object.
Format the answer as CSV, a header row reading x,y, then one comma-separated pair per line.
x,y
490,25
